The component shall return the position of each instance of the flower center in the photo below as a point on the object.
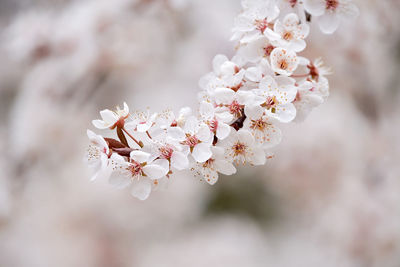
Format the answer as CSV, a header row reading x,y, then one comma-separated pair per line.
x,y
258,125
283,64
288,35
332,4
135,168
166,152
235,108
208,163
191,140
213,125
271,103
268,50
261,24
239,149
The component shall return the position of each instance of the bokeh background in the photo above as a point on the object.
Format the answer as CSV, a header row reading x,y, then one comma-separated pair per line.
x,y
330,197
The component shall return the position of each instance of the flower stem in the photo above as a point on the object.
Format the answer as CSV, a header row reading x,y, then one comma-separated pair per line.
x,y
133,138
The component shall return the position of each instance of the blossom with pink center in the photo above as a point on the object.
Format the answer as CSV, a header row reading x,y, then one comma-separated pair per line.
x,y
233,102
331,12
259,48
276,96
195,138
254,21
140,172
217,122
291,33
240,147
262,127
216,164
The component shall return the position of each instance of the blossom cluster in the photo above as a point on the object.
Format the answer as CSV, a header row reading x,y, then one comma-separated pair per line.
x,y
242,103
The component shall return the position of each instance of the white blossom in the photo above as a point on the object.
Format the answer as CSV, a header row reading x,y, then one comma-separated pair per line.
x,y
240,147
276,96
291,33
330,12
254,20
110,118
217,122
262,126
216,164
97,156
194,137
241,103
284,61
139,172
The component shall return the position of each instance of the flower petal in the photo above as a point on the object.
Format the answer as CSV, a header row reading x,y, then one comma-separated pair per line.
x,y
179,161
120,180
224,167
156,171
139,156
141,188
202,152
223,131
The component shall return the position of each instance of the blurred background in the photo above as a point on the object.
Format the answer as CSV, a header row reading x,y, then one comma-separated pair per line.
x,y
330,197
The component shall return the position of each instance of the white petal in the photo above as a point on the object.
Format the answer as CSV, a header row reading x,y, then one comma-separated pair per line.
x,y
203,134
224,167
224,95
245,137
108,116
253,74
155,171
254,112
176,133
119,179
315,7
206,110
202,152
217,62
329,22
223,131
141,188
139,156
191,125
179,161
258,157
210,175
99,124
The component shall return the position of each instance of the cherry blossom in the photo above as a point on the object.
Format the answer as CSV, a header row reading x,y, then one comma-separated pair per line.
x,y
216,164
195,137
284,61
241,104
254,20
276,96
138,172
240,147
262,127
330,12
111,118
217,122
97,156
291,33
